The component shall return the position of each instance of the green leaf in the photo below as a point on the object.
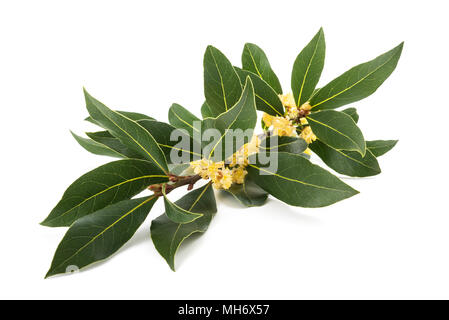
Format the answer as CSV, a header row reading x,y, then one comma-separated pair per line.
x,y
206,111
132,115
267,100
99,235
380,147
168,236
103,186
162,133
222,87
177,214
314,92
129,132
180,117
248,194
178,169
96,147
283,144
337,130
349,163
298,182
264,125
352,112
256,61
241,116
107,139
307,68
357,83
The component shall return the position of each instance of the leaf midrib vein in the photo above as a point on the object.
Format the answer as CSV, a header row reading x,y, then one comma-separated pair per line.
x,y
104,231
299,181
356,83
107,189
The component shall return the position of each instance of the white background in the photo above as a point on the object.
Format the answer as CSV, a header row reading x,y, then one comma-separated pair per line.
x,y
390,241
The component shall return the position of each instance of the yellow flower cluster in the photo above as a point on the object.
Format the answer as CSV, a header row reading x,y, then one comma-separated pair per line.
x,y
241,156
216,171
306,106
223,177
288,101
308,135
281,126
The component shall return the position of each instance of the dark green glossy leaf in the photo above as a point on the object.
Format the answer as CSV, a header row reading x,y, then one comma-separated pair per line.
x,y
107,139
103,186
307,68
179,117
131,115
96,147
171,140
337,130
352,112
248,194
162,133
222,87
256,61
267,100
283,144
128,131
263,125
298,182
206,111
179,215
357,83
241,116
178,169
349,163
99,235
168,236
380,147
315,92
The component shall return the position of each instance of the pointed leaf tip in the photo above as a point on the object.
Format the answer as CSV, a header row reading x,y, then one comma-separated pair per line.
x,y
357,83
128,131
99,235
222,88
178,214
255,60
168,236
307,68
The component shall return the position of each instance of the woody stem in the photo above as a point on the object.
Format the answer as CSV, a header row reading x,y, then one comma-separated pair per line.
x,y
178,181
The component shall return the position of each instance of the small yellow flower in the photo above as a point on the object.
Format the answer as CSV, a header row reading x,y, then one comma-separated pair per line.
x,y
241,156
221,176
267,119
238,175
306,106
217,183
292,113
283,127
200,167
251,147
308,151
223,180
226,181
213,169
308,135
288,101
303,121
